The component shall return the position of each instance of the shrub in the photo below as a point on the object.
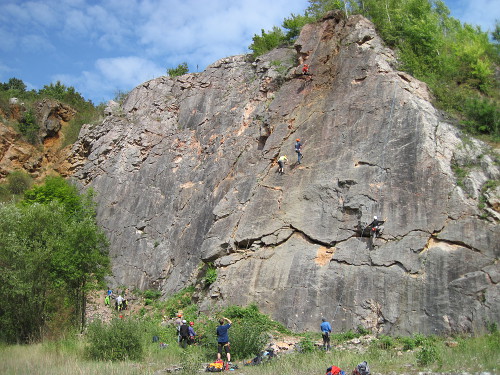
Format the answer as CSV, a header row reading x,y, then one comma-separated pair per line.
x,y
427,354
362,330
385,342
267,41
18,182
178,301
179,70
152,294
117,341
408,343
29,127
210,275
306,345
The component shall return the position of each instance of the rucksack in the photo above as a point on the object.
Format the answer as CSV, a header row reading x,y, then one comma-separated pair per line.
x,y
216,366
184,330
362,369
334,370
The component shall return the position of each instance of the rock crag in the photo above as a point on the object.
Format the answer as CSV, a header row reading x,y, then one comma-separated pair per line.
x,y
185,175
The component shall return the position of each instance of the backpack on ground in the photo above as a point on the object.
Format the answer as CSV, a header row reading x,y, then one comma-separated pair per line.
x,y
334,370
217,366
361,369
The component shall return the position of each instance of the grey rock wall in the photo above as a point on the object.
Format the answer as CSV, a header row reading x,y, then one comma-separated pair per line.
x,y
185,171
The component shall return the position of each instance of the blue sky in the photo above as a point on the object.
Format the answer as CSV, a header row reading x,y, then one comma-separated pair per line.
x,y
103,47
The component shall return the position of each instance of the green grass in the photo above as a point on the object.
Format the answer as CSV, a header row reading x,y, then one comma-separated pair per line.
x,y
67,357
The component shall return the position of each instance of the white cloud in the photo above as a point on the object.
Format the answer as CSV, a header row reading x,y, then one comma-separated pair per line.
x,y
477,12
35,43
127,71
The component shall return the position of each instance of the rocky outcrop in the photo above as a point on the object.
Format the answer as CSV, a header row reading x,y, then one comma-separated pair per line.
x,y
185,175
18,154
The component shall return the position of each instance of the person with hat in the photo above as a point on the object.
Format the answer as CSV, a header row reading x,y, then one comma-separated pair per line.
x,y
192,333
298,150
184,334
376,227
281,163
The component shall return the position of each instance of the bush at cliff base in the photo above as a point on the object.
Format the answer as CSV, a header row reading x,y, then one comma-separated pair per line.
x,y
117,341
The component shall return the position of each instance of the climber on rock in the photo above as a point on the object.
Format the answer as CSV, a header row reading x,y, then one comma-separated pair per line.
x,y
281,163
298,150
305,70
376,228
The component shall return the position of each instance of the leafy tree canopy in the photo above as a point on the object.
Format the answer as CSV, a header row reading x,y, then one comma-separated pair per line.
x,y
179,70
51,254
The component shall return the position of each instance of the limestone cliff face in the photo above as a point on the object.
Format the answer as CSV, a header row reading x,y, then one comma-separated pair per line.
x,y
185,172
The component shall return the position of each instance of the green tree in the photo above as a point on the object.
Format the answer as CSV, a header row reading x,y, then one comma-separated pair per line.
x,y
28,126
56,188
179,70
267,41
14,84
18,182
51,255
294,25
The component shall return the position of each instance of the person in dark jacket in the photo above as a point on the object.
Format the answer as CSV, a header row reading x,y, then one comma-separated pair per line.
x,y
184,334
376,227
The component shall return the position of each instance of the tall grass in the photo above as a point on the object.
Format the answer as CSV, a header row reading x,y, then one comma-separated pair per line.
x,y
66,357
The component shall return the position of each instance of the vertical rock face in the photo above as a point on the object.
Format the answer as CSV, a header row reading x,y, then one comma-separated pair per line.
x,y
185,172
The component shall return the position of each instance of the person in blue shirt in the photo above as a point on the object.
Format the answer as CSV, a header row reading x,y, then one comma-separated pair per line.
x,y
223,338
298,150
326,329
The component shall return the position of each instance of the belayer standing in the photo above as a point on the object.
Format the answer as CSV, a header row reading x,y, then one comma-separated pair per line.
x,y
281,164
298,150
223,338
326,329
184,334
192,333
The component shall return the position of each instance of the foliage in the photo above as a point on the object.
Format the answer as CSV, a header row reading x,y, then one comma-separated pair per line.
x,y
18,182
86,112
51,255
317,8
117,341
293,25
152,294
56,188
210,275
427,354
306,345
29,127
267,41
252,314
14,84
180,70
177,302
385,342
456,61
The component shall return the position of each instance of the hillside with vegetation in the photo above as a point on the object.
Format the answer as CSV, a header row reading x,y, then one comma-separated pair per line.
x,y
173,200
459,62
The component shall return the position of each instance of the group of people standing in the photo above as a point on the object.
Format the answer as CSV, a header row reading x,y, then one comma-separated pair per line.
x,y
121,303
187,335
